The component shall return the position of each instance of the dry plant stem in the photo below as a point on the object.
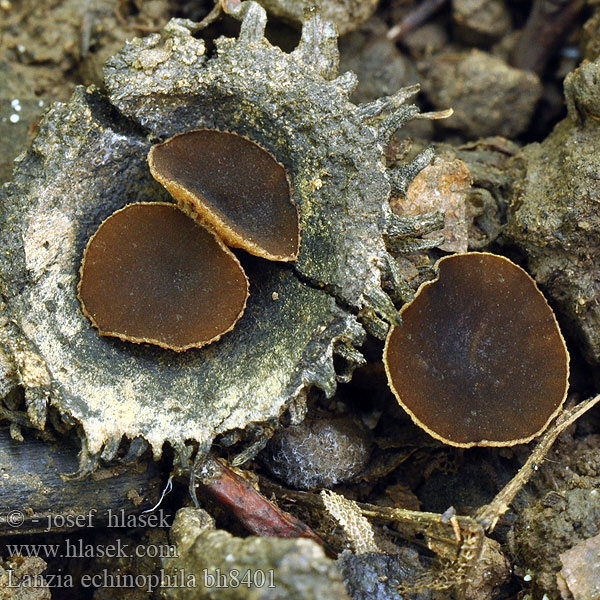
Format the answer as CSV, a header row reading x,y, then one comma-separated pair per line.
x,y
259,515
439,529
488,515
446,533
416,17
456,541
548,22
413,521
270,487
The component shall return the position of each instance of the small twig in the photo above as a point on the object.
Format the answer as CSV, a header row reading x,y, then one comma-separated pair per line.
x,y
414,18
125,22
488,515
120,17
212,16
548,22
87,23
259,515
15,416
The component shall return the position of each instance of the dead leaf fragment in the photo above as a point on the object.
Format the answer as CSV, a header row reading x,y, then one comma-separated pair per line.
x,y
441,186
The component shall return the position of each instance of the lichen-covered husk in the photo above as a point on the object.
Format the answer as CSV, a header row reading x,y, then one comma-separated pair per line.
x,y
294,106
88,161
81,169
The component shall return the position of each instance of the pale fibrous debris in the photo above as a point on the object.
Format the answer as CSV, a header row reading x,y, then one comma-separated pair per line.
x,y
457,542
318,453
89,160
357,528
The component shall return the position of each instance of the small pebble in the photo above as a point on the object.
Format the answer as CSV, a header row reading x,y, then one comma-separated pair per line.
x,y
317,453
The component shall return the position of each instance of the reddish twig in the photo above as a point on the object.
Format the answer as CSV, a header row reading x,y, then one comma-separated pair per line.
x,y
259,515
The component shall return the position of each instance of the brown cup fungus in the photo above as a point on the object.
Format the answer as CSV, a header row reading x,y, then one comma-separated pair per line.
x,y
152,274
479,358
234,187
